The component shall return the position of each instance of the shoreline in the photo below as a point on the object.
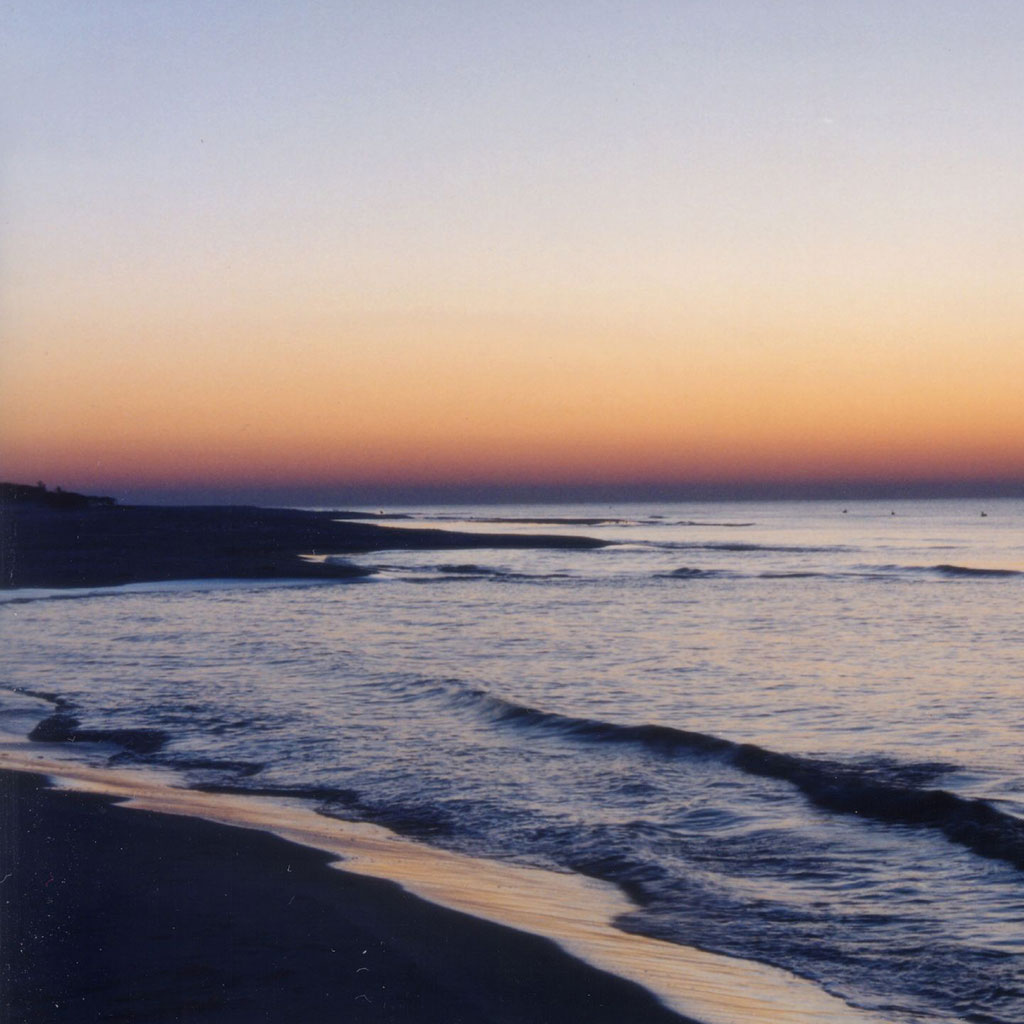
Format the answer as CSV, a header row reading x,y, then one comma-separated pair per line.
x,y
111,545
458,938
111,914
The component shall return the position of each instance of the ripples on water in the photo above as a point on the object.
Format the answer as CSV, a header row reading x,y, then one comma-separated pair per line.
x,y
790,733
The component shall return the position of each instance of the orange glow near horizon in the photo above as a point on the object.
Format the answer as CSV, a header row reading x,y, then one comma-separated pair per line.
x,y
368,246
513,405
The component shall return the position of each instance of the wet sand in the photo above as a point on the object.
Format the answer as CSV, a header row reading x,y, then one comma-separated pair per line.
x,y
109,914
192,906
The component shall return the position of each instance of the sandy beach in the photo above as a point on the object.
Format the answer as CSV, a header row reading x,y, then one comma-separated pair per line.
x,y
174,904
110,914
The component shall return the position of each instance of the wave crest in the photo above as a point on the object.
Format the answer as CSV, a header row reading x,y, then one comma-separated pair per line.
x,y
884,792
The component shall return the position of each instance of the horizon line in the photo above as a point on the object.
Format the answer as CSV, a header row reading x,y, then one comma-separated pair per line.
x,y
340,495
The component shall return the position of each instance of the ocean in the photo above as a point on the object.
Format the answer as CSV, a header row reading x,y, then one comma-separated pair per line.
x,y
789,731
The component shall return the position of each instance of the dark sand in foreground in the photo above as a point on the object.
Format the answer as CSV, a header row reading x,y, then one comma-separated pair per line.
x,y
110,914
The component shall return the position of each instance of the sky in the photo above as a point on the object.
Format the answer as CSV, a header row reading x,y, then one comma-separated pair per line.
x,y
371,250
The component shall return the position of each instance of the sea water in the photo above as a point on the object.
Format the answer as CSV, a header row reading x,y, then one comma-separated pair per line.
x,y
789,731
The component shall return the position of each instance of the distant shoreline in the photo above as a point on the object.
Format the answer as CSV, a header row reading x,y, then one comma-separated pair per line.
x,y
98,543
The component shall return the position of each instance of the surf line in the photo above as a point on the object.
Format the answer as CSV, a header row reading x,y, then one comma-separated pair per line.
x,y
575,912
